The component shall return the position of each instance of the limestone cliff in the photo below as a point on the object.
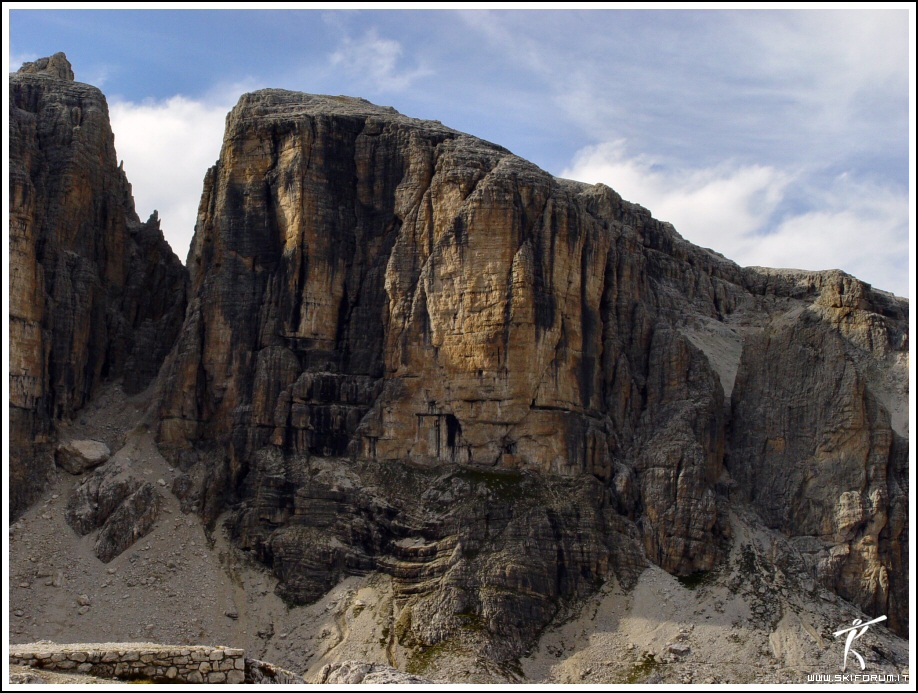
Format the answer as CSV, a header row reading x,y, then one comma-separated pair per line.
x,y
407,351
94,293
383,291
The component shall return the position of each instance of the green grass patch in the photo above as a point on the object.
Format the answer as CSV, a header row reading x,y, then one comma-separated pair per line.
x,y
403,634
642,669
504,484
424,658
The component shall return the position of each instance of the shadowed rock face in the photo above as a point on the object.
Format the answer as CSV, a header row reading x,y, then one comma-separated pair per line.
x,y
819,443
94,293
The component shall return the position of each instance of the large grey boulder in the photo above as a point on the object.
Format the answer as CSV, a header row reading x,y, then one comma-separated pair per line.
x,y
78,456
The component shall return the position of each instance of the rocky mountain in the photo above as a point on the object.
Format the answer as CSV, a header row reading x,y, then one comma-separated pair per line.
x,y
408,353
95,293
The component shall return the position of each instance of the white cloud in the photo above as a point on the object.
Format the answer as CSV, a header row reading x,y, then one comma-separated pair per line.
x,y
841,73
376,62
713,207
864,232
167,147
746,213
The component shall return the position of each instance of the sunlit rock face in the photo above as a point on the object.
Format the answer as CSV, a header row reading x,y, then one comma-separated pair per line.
x,y
819,435
368,285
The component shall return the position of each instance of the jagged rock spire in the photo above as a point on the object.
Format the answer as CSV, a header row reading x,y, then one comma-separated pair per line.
x,y
56,66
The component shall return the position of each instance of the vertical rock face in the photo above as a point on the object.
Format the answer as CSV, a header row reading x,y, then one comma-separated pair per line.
x,y
94,293
369,286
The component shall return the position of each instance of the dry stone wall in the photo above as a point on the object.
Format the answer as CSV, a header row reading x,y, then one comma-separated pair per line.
x,y
167,663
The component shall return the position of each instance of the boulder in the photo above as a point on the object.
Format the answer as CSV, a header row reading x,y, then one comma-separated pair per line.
x,y
78,456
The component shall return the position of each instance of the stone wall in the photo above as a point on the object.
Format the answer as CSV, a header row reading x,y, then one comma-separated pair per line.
x,y
165,663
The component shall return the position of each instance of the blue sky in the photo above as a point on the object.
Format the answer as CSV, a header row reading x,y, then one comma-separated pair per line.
x,y
778,138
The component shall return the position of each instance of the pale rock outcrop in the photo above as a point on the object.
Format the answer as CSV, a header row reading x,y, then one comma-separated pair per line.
x,y
266,673
56,66
351,672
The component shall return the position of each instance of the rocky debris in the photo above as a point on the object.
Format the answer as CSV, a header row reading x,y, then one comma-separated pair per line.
x,y
26,677
20,674
94,293
123,507
351,672
257,671
678,649
79,456
92,502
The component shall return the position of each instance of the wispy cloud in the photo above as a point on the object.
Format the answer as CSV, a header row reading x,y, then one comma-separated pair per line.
x,y
376,62
766,216
709,205
764,86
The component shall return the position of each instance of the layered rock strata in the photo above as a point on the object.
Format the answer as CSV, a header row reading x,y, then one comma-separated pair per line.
x,y
94,292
